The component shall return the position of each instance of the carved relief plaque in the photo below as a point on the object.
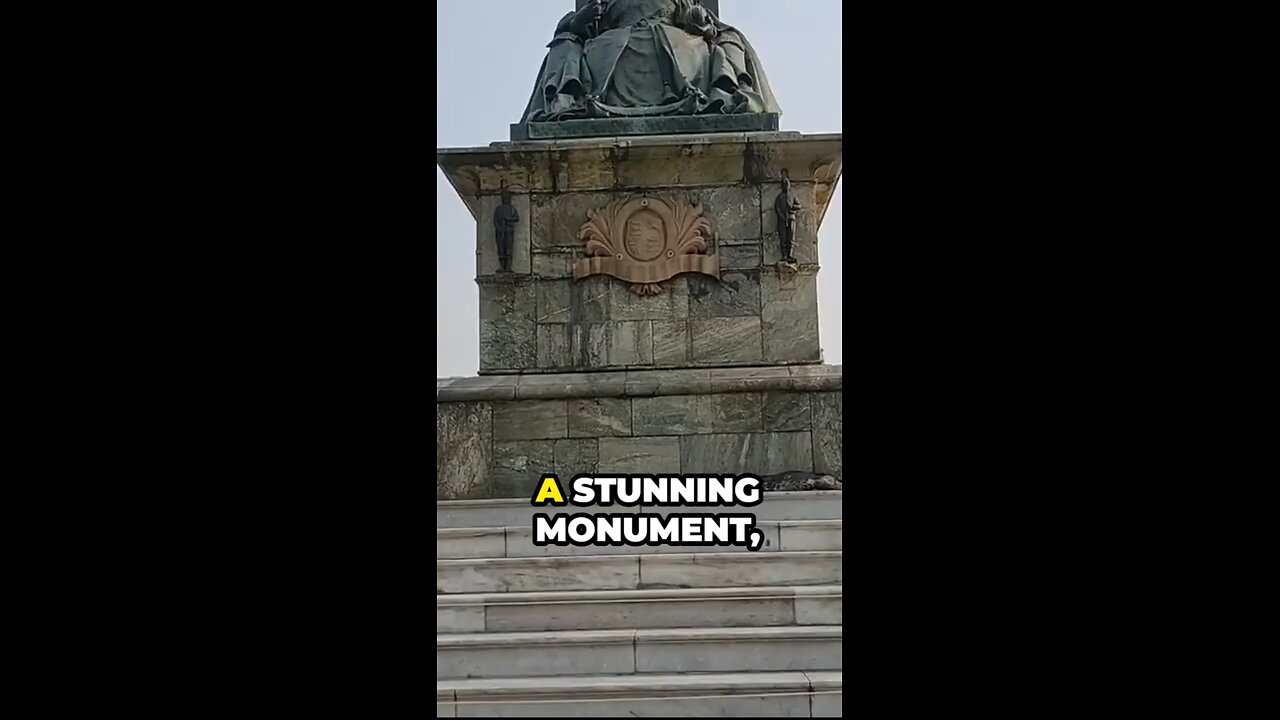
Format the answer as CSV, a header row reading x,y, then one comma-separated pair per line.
x,y
646,240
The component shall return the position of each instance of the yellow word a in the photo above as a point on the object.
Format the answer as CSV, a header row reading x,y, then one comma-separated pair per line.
x,y
549,489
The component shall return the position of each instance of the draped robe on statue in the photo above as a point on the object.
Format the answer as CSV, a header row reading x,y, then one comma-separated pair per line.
x,y
649,57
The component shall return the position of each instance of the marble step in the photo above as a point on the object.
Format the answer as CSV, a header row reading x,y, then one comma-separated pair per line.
x,y
638,572
639,609
618,652
765,694
807,505
517,541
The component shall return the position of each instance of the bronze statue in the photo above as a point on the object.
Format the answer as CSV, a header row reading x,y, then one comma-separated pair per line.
x,y
787,208
639,58
505,217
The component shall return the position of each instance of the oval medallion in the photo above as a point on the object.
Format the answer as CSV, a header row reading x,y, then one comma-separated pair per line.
x,y
645,238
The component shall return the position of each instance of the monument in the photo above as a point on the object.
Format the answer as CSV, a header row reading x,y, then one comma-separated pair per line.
x,y
647,260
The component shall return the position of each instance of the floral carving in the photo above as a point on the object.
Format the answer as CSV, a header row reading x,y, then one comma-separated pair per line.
x,y
645,241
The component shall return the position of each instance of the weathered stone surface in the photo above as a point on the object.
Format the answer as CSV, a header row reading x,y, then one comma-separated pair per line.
x,y
508,344
799,482
749,379
553,346
815,158
507,295
672,415
508,335
820,605
811,535
670,342
700,161
518,465
737,412
553,298
737,294
462,618
557,219
567,165
734,212
805,248
609,572
530,420
725,695
562,181
828,704
788,451
591,168
658,125
592,299
576,457
552,265
817,378
492,387
486,246
458,543
738,257
828,428
482,171
600,610
671,304
785,410
737,569
639,455
692,650
725,340
642,383
571,385
615,344
761,453
738,649
789,317
598,417
492,655
464,442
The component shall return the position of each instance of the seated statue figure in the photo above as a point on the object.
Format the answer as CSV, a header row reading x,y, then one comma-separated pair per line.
x,y
635,58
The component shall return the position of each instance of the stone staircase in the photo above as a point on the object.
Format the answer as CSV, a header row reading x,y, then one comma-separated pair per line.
x,y
524,631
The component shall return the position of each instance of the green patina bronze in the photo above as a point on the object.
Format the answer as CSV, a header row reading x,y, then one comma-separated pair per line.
x,y
645,59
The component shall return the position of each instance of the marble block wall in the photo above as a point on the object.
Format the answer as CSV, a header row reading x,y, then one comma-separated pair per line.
x,y
539,319
494,435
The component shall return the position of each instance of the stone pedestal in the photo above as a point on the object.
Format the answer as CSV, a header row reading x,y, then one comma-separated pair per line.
x,y
647,323
540,318
496,435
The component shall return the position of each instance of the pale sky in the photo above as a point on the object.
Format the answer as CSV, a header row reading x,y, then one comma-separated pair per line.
x,y
488,53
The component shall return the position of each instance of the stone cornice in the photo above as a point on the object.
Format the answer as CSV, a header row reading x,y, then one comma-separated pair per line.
x,y
640,383
645,163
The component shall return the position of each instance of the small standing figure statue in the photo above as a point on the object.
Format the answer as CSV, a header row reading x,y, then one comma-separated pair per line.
x,y
787,207
505,218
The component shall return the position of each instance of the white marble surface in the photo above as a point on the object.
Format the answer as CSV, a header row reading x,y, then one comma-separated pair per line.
x,y
738,569
456,619
634,609
460,543
825,703
738,649
811,534
517,691
815,606
528,574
